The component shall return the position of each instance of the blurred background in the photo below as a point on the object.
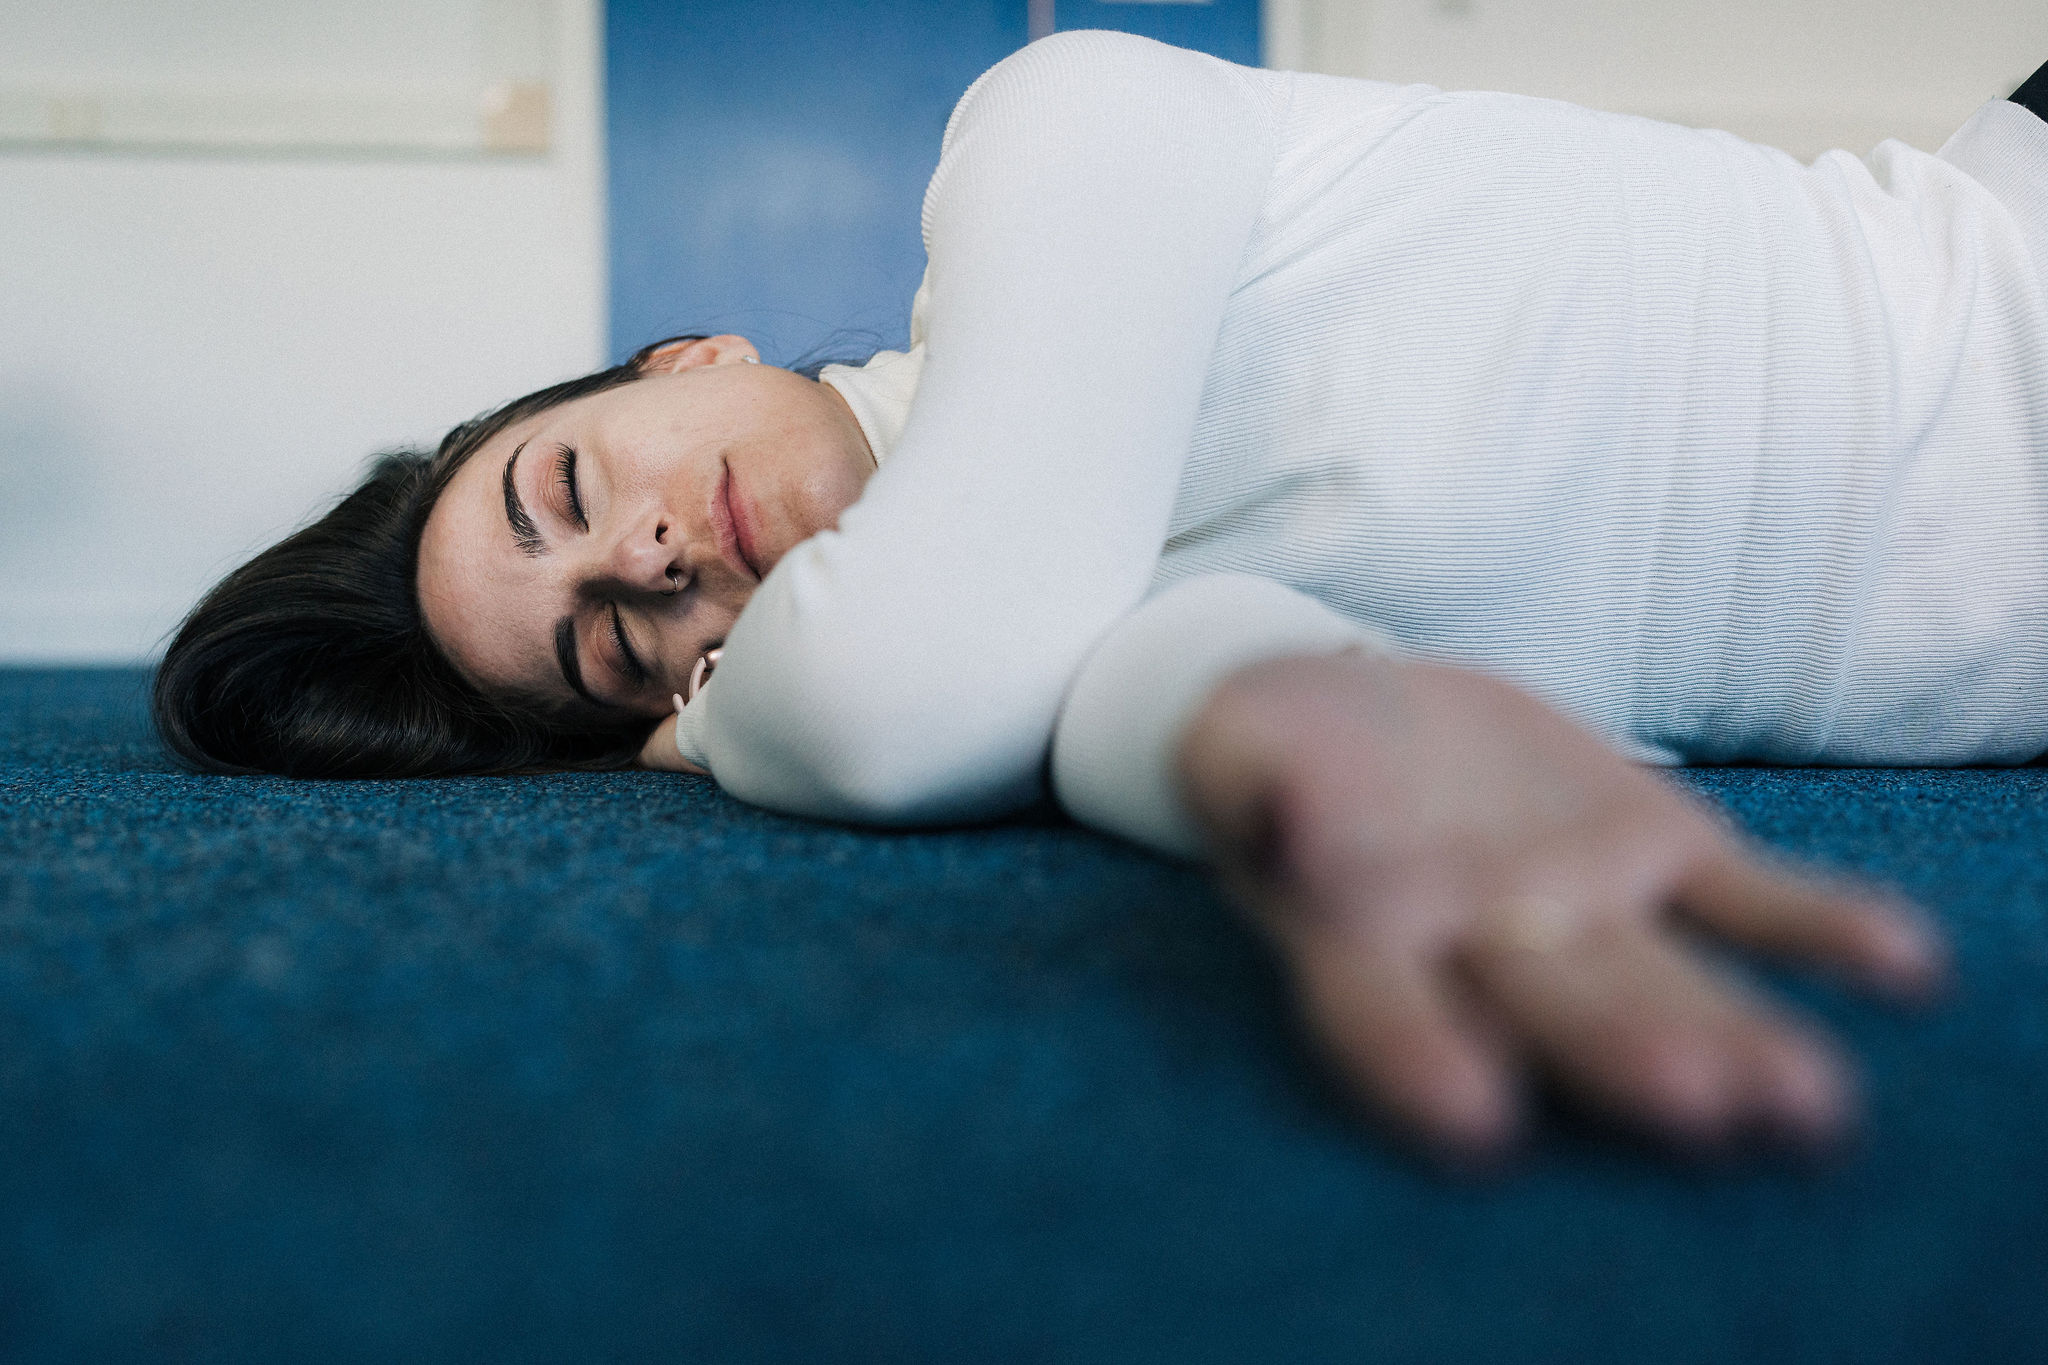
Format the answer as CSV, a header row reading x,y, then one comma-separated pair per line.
x,y
245,245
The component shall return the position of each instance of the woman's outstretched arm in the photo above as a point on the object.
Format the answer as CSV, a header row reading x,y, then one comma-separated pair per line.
x,y
1469,890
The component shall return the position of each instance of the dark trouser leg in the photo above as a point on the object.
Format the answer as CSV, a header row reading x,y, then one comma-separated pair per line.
x,y
2034,94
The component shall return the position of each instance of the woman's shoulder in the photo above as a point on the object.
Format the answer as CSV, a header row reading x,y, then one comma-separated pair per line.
x,y
1079,69
1092,52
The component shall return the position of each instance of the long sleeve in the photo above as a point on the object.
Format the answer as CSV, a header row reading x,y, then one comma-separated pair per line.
x,y
1084,230
1113,760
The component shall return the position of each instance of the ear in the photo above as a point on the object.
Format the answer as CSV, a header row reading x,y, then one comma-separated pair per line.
x,y
678,356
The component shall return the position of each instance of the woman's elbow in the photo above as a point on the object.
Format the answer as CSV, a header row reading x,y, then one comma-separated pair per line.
x,y
890,760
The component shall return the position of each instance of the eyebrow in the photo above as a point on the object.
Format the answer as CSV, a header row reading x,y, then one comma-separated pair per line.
x,y
524,533
571,665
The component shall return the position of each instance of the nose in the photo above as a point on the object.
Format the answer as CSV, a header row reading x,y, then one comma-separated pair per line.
x,y
649,555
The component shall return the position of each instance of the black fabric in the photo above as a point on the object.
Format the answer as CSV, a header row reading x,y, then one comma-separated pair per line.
x,y
2034,94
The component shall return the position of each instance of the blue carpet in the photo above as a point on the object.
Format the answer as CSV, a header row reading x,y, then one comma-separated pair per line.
x,y
612,1068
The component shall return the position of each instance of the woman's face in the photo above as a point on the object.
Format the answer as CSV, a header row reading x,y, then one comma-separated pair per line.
x,y
586,558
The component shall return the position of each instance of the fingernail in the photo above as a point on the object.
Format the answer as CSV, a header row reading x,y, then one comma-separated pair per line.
x,y
1914,955
677,698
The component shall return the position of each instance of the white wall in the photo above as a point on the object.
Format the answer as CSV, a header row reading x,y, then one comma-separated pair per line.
x,y
198,351
1805,75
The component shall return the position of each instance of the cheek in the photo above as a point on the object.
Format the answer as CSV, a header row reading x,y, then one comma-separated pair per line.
x,y
830,485
652,449
648,465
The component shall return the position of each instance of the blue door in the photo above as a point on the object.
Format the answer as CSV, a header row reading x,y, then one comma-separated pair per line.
x,y
768,157
1223,28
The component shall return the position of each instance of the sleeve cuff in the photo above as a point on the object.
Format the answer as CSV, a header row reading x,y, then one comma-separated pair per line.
x,y
690,730
1114,752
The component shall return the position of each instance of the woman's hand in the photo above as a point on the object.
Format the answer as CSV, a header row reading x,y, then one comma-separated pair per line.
x,y
1470,889
660,752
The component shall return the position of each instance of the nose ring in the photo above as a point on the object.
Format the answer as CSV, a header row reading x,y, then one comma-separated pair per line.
x,y
701,672
673,586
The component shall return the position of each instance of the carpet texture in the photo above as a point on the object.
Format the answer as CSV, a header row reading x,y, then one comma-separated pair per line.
x,y
613,1068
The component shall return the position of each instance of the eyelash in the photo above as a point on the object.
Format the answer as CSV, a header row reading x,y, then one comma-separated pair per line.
x,y
636,672
565,479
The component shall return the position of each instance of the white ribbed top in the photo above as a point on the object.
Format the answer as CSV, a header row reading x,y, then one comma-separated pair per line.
x,y
1726,455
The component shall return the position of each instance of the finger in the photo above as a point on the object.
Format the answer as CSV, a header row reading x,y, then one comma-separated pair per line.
x,y
1619,1016
1391,1026
1871,937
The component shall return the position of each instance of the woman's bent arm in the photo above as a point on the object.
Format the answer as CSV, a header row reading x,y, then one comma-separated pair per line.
x,y
1085,229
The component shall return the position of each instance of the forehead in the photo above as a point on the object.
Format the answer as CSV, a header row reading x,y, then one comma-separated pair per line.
x,y
486,604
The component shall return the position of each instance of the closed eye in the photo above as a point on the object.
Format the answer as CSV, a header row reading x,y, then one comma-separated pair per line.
x,y
565,479
636,672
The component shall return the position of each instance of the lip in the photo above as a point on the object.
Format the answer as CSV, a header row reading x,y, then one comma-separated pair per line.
x,y
729,528
744,538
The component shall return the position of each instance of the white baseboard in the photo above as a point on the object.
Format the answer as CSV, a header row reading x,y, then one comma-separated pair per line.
x,y
56,630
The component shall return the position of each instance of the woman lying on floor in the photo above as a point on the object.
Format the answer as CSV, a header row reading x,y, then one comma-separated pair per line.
x,y
1350,485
